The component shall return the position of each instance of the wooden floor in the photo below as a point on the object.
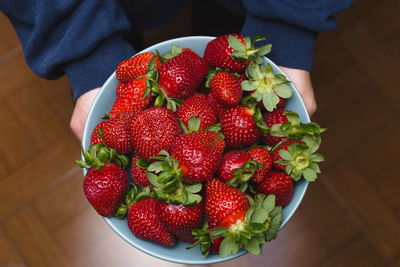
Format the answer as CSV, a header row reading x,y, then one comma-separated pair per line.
x,y
350,217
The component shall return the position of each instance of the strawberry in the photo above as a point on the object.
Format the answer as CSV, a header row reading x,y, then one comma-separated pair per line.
x,y
117,132
298,159
138,173
131,97
218,107
105,188
154,130
226,89
230,215
179,219
270,118
182,74
197,105
236,167
234,52
136,66
266,86
119,88
224,205
97,133
198,154
276,157
144,223
264,157
280,184
239,127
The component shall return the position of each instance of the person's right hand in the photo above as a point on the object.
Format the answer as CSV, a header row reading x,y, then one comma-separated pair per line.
x,y
301,79
81,111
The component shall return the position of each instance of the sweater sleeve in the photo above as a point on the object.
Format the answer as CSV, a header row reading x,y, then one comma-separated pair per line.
x,y
79,38
291,26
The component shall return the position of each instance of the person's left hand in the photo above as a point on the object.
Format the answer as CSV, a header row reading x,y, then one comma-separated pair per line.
x,y
301,79
81,111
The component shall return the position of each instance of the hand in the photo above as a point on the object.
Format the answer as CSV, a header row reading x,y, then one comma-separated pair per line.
x,y
81,111
302,81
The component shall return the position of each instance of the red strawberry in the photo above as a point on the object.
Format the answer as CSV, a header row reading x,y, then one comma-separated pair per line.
x,y
263,156
105,188
198,106
153,130
119,88
226,89
198,154
117,132
280,184
181,75
270,118
224,205
144,223
218,107
234,52
239,127
131,97
236,167
97,132
179,219
138,173
136,66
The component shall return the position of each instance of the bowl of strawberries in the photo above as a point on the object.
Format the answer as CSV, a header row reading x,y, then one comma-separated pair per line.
x,y
199,150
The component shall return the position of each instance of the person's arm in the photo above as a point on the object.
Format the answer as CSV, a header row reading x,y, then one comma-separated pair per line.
x,y
292,27
79,38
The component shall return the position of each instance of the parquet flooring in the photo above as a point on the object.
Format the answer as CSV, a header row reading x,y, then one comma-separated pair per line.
x,y
349,217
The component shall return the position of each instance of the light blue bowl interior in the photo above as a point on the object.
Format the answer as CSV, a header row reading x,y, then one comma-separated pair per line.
x,y
179,254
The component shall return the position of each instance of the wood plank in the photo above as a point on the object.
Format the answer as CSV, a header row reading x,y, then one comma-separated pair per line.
x,y
359,253
32,239
8,256
9,38
380,67
37,174
83,235
384,146
378,221
354,124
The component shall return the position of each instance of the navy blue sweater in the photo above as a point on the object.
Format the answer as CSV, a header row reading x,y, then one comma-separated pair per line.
x,y
84,38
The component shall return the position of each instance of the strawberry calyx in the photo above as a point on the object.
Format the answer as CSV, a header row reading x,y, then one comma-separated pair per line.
x,y
175,50
203,239
267,85
134,194
251,231
166,177
243,174
294,129
246,51
98,155
301,160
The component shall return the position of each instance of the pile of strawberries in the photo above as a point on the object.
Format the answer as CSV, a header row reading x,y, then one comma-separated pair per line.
x,y
212,153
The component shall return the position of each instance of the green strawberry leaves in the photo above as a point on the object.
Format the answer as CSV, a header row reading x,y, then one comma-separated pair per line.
x,y
166,177
300,160
261,225
248,51
243,174
98,155
134,194
267,87
294,129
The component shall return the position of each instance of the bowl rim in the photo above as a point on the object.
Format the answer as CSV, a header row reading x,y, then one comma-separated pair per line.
x,y
86,142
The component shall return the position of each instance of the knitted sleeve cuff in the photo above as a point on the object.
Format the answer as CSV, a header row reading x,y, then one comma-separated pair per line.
x,y
291,46
93,70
